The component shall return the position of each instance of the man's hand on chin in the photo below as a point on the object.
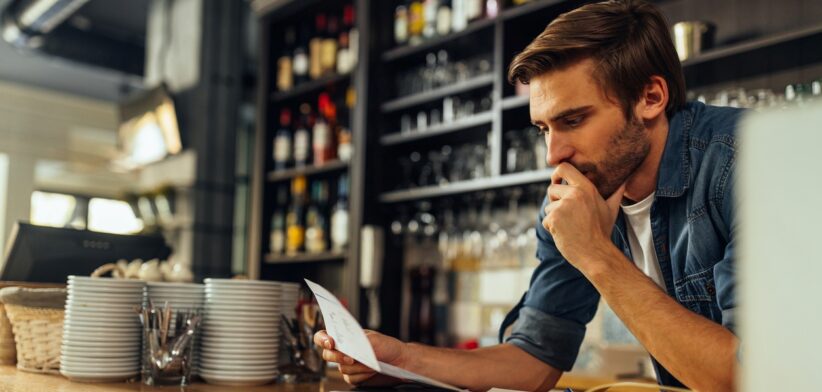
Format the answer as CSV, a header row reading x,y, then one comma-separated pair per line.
x,y
578,217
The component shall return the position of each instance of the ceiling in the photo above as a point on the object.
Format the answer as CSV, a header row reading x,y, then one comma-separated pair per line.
x,y
120,20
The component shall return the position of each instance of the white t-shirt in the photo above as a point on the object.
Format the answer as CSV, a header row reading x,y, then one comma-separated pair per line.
x,y
641,239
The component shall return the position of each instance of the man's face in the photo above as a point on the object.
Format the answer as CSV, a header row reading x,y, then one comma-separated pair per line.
x,y
585,128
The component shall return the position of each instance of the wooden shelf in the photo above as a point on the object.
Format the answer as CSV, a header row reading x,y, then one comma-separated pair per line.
x,y
754,44
442,129
304,258
283,175
515,101
434,43
480,184
525,9
441,92
308,88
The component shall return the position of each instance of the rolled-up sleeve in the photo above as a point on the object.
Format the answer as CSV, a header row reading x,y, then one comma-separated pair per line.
x,y
551,318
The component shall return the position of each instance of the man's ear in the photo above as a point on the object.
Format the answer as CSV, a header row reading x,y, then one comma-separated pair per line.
x,y
654,99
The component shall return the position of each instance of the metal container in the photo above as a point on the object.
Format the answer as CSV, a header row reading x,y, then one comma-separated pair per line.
x,y
692,38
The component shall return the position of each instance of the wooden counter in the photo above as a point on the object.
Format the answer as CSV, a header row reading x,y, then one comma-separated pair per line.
x,y
13,380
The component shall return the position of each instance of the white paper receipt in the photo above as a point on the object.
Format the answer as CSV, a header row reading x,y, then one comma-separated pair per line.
x,y
350,339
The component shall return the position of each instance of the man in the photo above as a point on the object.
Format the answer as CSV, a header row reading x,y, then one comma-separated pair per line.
x,y
641,213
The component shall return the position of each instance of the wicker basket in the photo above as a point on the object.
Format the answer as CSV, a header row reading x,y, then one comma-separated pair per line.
x,y
8,354
38,334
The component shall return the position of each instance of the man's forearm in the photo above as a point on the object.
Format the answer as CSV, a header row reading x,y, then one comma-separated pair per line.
x,y
503,366
699,352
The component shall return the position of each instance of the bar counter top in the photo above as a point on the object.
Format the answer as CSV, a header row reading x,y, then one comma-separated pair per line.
x,y
13,380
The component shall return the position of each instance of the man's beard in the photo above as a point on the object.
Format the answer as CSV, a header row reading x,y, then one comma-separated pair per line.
x,y
626,151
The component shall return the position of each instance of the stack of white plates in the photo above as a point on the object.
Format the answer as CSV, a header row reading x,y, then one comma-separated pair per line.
x,y
101,330
180,297
241,332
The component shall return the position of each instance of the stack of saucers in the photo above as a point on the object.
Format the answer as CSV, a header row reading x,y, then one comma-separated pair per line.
x,y
101,330
180,297
241,330
289,298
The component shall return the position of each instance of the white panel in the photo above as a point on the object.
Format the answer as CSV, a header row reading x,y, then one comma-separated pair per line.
x,y
780,259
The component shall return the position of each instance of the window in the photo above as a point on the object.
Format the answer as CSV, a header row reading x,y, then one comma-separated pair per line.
x,y
56,210
112,216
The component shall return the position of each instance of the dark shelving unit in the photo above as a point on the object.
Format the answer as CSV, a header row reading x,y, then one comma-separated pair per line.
x,y
476,185
309,88
288,174
409,50
754,44
442,129
305,258
441,92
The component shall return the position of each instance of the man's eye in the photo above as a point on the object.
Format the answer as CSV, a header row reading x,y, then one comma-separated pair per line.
x,y
541,131
573,122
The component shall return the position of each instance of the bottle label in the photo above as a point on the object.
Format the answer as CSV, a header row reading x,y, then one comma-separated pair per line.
x,y
296,239
277,242
301,147
285,76
315,240
339,229
315,68
282,148
328,56
300,64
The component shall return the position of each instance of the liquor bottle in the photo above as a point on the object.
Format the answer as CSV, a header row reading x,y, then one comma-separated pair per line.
x,y
285,70
353,36
299,62
473,9
328,55
339,217
315,220
401,25
444,18
276,244
458,17
302,137
295,219
322,135
416,22
282,141
429,13
345,149
491,8
315,69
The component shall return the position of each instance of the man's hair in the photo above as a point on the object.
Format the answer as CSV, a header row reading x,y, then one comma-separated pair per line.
x,y
628,41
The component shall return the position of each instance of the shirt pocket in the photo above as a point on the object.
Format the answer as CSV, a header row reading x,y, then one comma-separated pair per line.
x,y
697,292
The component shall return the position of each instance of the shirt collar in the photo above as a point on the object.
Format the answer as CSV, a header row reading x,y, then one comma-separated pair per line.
x,y
674,167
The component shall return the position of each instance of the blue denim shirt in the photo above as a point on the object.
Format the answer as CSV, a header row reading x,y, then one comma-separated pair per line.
x,y
693,224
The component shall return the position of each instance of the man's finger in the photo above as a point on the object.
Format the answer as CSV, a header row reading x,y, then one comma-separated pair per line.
x,y
357,379
322,339
333,356
566,171
558,191
356,368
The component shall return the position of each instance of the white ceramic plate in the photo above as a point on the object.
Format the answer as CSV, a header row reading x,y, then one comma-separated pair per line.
x,y
111,353
239,357
97,377
105,281
239,291
121,339
175,285
103,297
101,369
228,333
240,326
214,351
221,366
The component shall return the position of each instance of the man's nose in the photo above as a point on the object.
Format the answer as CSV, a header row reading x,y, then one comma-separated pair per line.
x,y
559,150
